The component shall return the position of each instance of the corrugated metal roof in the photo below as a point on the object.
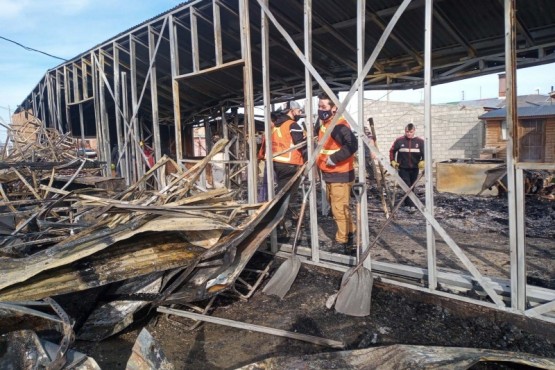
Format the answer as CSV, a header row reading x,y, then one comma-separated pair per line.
x,y
470,30
521,101
522,112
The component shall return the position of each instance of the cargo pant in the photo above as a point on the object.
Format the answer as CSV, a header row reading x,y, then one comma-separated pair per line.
x,y
339,195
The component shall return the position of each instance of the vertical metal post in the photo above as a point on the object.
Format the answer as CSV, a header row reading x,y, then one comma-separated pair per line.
x,y
97,115
82,127
134,137
34,103
84,79
363,227
194,40
67,94
217,32
42,108
430,236
117,101
518,278
154,97
225,132
107,150
249,98
309,120
59,125
174,57
51,106
127,152
521,237
75,81
268,125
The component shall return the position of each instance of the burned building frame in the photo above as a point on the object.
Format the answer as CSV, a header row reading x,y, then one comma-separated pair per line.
x,y
211,62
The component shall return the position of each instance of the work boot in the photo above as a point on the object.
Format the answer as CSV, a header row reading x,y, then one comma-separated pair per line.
x,y
351,238
338,247
346,248
351,250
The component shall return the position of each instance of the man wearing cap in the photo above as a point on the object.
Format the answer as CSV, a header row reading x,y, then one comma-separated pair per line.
x,y
286,133
336,162
407,156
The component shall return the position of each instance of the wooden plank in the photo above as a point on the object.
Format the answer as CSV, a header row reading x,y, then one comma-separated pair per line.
x,y
127,260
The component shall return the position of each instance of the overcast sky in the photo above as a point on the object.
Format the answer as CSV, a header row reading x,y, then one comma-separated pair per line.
x,y
65,28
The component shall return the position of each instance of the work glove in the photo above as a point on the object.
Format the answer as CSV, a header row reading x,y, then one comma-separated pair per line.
x,y
421,165
113,166
395,165
330,163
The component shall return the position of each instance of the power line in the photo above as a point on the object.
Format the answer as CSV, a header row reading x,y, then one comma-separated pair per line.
x,y
31,49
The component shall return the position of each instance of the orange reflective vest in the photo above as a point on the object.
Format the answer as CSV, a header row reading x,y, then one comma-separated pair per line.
x,y
331,146
281,141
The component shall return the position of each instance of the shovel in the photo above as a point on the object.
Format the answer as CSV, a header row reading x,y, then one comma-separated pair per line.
x,y
286,274
353,297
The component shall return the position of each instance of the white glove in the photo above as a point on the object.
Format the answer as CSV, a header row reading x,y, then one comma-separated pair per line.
x,y
329,162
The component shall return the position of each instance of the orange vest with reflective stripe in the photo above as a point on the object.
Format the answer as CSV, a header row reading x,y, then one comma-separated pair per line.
x,y
282,140
331,146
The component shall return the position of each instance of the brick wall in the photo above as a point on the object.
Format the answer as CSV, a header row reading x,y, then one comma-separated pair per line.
x,y
456,131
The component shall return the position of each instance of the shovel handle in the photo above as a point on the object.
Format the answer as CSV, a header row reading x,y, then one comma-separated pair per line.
x,y
358,189
305,187
387,222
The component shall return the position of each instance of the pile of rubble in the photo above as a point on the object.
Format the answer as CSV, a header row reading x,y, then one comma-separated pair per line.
x,y
64,231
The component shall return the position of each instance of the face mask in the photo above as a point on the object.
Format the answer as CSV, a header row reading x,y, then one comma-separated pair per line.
x,y
324,115
297,117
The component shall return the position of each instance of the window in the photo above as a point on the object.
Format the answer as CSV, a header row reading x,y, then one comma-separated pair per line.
x,y
531,140
504,130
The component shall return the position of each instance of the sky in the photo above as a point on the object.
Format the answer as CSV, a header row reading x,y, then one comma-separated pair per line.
x,y
63,28
66,28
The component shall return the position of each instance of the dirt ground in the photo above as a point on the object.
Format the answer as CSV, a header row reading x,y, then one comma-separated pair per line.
x,y
398,316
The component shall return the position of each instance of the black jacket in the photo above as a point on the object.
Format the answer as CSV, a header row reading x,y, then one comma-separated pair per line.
x,y
407,152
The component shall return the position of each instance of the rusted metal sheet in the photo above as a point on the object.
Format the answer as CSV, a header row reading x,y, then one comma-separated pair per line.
x,y
465,178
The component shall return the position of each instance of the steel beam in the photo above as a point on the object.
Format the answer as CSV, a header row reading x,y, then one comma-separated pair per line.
x,y
154,99
249,99
510,66
430,236
268,124
309,123
174,57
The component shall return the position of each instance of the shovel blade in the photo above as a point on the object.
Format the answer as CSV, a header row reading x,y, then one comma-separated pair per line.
x,y
354,297
283,278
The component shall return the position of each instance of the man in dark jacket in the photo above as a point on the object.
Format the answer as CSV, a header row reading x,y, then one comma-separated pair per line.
x,y
407,155
336,162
